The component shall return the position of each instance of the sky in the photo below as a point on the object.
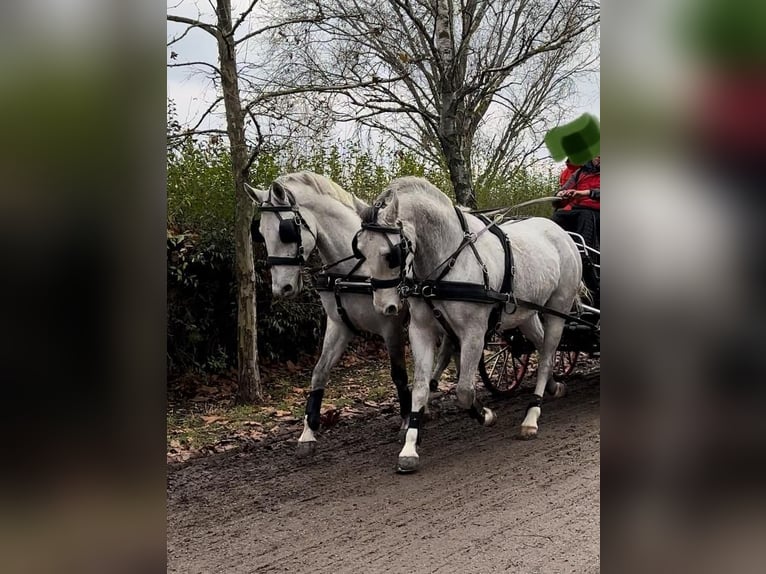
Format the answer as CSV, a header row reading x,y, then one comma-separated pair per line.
x,y
193,93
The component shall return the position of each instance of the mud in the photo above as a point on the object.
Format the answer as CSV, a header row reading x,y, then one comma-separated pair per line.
x,y
482,502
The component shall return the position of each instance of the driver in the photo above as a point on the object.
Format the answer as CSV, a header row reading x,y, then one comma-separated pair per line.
x,y
579,208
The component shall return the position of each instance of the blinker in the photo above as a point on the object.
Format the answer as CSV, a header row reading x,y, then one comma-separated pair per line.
x,y
289,231
255,231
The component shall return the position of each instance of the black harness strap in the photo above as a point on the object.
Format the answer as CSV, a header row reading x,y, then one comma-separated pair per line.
x,y
508,273
471,292
340,283
470,238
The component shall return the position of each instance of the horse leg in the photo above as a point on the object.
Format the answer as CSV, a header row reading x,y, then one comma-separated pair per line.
x,y
336,339
554,326
395,346
423,343
533,331
471,349
442,361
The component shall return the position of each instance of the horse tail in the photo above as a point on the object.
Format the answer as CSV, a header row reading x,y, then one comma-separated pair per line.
x,y
583,293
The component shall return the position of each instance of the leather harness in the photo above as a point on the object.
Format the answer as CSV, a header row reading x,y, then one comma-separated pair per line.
x,y
438,289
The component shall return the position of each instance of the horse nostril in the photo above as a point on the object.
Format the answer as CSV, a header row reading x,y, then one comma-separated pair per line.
x,y
287,289
391,310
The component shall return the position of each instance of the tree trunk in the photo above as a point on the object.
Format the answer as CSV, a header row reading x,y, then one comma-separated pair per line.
x,y
451,114
459,170
248,376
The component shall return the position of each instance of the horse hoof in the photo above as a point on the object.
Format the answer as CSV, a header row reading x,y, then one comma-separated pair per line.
x,y
528,433
407,464
561,390
433,385
306,449
489,417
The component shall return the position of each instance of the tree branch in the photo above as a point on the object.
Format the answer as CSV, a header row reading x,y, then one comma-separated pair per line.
x,y
281,24
212,30
257,150
184,64
244,15
181,37
188,133
317,89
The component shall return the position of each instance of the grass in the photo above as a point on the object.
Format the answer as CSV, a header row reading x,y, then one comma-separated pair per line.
x,y
204,417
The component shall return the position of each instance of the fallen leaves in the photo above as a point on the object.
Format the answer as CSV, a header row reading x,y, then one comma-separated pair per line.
x,y
212,419
329,418
204,419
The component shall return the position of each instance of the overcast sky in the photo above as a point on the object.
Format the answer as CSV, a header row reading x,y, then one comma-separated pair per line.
x,y
193,93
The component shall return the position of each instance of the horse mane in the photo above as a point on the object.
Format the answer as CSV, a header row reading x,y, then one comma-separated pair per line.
x,y
403,186
319,184
415,184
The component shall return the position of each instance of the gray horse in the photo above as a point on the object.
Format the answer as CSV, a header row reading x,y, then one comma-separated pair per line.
x,y
548,271
328,217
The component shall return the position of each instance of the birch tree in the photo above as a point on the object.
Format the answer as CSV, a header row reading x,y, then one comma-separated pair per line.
x,y
497,70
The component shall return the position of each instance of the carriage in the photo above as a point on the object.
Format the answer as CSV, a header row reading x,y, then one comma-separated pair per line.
x,y
507,354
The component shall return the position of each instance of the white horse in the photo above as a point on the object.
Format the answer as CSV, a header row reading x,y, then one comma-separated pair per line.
x,y
300,212
547,271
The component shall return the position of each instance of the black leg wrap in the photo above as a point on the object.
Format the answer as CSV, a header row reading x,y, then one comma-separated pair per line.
x,y
399,376
477,414
535,402
415,423
313,405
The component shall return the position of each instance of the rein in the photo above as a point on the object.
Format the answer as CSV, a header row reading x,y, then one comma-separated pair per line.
x,y
439,289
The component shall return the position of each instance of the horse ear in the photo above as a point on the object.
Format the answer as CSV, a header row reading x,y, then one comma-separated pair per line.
x,y
256,195
359,206
278,191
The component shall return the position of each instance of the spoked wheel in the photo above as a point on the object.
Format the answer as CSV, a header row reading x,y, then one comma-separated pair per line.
x,y
500,370
566,361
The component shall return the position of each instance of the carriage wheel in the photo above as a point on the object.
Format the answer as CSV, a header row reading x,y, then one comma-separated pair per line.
x,y
566,361
500,370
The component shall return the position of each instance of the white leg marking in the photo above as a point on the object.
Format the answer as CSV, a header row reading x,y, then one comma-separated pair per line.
x,y
410,444
489,417
529,425
308,434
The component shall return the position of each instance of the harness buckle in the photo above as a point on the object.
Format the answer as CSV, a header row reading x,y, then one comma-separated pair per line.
x,y
469,237
452,262
510,296
429,293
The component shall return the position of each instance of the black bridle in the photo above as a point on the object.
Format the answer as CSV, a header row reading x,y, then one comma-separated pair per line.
x,y
289,231
396,257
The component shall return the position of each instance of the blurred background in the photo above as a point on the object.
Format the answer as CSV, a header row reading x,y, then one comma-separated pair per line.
x,y
683,118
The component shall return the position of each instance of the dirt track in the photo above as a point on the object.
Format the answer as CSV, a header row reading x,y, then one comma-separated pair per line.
x,y
482,502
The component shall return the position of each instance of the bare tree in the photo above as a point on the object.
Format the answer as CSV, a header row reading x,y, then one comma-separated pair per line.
x,y
265,96
223,29
499,68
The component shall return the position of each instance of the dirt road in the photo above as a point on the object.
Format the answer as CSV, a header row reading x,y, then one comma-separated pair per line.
x,y
482,502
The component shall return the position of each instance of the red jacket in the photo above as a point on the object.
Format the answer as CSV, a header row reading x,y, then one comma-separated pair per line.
x,y
583,179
